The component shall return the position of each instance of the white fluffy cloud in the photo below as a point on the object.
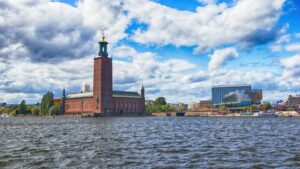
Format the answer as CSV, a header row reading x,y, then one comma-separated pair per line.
x,y
294,47
220,57
48,45
291,67
247,22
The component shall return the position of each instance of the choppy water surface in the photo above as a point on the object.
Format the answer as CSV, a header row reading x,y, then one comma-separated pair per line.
x,y
150,142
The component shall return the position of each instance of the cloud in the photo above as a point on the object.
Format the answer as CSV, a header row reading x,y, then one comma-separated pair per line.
x,y
291,67
220,57
247,22
52,31
294,47
205,2
48,45
124,51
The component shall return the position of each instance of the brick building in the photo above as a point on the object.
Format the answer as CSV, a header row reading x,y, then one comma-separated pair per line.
x,y
103,100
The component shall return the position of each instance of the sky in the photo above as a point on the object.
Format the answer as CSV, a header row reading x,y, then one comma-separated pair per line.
x,y
175,48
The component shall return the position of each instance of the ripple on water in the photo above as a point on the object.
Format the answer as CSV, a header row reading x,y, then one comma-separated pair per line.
x,y
150,142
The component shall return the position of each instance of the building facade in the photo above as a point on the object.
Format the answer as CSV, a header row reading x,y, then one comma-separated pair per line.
x,y
293,103
218,92
103,100
235,93
236,97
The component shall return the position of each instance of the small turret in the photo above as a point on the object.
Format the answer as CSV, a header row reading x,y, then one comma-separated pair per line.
x,y
143,92
103,47
63,102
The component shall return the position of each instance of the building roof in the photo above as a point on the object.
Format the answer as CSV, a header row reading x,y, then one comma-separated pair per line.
x,y
56,99
125,94
79,95
122,94
237,85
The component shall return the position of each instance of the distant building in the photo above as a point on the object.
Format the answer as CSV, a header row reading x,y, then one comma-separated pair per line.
x,y
205,105
192,106
220,91
256,96
149,102
237,97
179,106
293,102
87,88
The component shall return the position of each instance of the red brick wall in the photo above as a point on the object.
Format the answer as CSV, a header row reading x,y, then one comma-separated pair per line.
x,y
79,106
102,84
127,106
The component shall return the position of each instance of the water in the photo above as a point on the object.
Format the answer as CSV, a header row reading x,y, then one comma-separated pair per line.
x,y
150,142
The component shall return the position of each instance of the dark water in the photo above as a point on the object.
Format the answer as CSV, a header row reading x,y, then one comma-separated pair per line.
x,y
150,142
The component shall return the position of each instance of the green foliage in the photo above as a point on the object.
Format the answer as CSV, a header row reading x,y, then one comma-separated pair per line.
x,y
181,108
55,109
160,101
8,110
246,109
267,106
22,109
254,108
35,110
166,108
159,105
222,108
47,103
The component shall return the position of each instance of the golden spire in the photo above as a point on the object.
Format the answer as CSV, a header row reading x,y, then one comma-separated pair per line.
x,y
103,34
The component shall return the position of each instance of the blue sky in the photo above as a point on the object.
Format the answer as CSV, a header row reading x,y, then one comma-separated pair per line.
x,y
177,49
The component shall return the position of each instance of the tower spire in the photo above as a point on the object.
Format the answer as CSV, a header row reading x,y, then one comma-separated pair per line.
x,y
103,34
103,45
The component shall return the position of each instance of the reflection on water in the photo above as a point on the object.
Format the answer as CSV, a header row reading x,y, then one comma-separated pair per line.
x,y
150,142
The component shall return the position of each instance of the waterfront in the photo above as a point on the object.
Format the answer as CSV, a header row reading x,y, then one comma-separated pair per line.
x,y
149,142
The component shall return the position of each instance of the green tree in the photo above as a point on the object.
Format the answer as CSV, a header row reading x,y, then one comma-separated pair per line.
x,y
267,106
47,103
222,108
246,109
254,108
160,101
36,110
55,109
22,109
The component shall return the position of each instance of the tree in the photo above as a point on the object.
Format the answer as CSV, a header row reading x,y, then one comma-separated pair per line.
x,y
246,109
36,110
160,101
47,103
22,109
267,106
222,108
55,109
254,108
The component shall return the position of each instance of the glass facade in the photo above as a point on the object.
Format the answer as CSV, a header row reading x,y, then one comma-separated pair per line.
x,y
218,92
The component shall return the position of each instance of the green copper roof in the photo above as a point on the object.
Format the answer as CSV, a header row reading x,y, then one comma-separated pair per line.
x,y
122,94
79,95
126,94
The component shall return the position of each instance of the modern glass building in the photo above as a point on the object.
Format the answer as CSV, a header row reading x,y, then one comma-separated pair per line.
x,y
219,91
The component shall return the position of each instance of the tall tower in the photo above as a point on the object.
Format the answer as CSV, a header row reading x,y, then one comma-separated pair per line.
x,y
143,99
102,79
143,92
63,102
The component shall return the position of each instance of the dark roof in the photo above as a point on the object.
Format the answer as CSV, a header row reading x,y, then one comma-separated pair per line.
x,y
293,101
126,94
122,94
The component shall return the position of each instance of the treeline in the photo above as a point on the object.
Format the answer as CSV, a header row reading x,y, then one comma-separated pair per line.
x,y
253,108
47,107
159,105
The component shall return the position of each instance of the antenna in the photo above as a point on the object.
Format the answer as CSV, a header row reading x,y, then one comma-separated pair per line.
x,y
103,29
